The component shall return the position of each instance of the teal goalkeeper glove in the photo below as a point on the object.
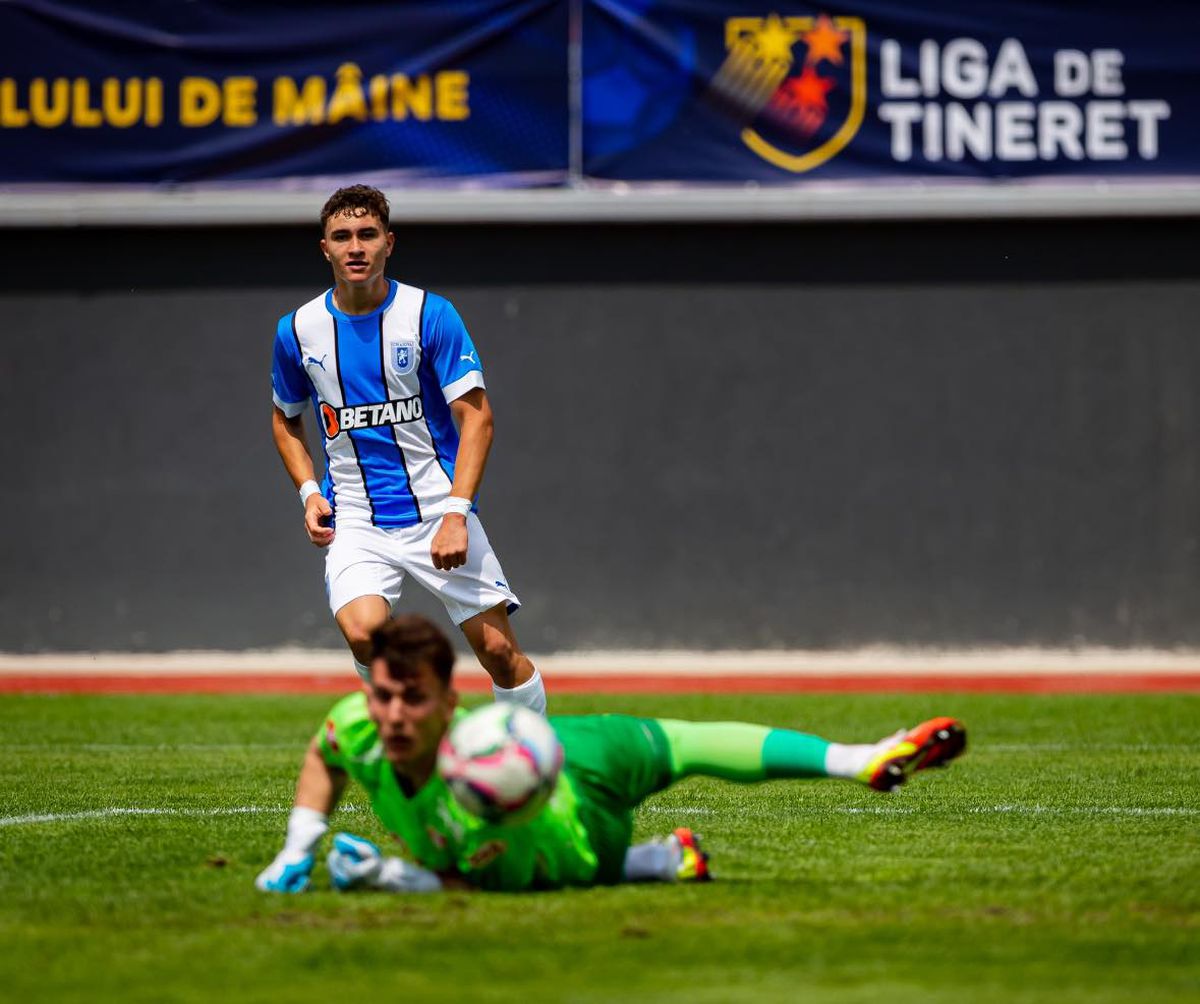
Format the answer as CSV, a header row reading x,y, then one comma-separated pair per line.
x,y
292,867
287,873
355,863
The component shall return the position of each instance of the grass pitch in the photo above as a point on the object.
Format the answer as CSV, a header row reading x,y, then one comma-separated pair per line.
x,y
1058,860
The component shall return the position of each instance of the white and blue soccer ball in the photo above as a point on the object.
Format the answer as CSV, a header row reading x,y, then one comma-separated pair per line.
x,y
501,762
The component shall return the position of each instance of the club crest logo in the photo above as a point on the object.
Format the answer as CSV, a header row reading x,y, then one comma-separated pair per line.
x,y
404,357
798,85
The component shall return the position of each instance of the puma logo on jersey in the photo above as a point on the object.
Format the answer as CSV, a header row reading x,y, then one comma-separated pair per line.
x,y
313,361
470,359
370,416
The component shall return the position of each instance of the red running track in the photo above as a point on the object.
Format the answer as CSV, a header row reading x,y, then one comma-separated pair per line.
x,y
600,683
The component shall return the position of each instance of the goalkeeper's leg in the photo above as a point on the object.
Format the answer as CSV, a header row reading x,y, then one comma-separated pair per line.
x,y
737,751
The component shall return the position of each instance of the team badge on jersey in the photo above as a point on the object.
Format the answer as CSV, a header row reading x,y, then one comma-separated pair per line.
x,y
404,356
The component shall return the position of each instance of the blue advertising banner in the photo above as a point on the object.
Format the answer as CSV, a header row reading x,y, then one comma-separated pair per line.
x,y
739,90
167,91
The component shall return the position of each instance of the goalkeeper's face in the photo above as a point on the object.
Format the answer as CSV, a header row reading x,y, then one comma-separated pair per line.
x,y
412,712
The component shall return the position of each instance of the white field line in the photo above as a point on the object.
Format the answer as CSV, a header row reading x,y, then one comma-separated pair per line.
x,y
693,810
974,810
115,811
867,661
67,747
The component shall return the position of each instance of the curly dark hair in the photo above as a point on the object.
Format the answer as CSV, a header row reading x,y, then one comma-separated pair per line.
x,y
356,200
409,641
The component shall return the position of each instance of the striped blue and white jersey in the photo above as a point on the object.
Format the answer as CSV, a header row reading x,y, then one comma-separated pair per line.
x,y
381,384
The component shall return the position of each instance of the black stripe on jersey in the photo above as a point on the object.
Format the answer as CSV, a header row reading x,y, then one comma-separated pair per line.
x,y
350,435
399,448
433,440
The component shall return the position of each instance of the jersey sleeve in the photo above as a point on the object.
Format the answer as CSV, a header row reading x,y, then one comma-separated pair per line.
x,y
347,736
290,386
450,350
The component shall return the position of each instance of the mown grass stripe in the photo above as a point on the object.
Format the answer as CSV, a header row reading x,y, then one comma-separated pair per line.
x,y
844,810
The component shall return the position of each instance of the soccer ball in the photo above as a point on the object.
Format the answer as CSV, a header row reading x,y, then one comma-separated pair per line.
x,y
501,762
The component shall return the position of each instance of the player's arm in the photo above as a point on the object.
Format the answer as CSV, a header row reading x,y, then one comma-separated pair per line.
x,y
288,434
318,790
476,429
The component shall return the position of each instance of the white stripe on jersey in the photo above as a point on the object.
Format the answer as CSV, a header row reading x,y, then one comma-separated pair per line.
x,y
316,330
427,479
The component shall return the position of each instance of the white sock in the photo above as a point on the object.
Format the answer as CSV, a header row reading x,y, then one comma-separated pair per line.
x,y
531,693
848,760
364,672
657,861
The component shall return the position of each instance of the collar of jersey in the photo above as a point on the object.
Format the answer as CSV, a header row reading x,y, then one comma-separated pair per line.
x,y
393,285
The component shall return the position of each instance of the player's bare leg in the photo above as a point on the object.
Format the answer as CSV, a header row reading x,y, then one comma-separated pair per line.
x,y
358,619
514,677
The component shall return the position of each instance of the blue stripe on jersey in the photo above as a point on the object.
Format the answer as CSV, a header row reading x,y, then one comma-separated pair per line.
x,y
360,370
438,417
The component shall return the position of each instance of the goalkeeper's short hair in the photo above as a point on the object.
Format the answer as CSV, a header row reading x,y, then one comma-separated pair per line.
x,y
409,641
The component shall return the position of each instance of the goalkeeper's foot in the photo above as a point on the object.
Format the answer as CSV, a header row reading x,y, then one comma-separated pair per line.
x,y
693,862
931,744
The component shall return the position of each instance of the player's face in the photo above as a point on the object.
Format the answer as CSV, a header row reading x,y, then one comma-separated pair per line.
x,y
411,714
357,247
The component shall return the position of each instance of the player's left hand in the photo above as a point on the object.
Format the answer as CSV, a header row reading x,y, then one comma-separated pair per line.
x,y
449,549
355,863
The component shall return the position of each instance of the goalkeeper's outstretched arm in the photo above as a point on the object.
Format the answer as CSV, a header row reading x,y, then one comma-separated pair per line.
x,y
318,790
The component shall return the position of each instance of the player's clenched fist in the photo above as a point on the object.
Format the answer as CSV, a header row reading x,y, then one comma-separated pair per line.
x,y
449,549
317,513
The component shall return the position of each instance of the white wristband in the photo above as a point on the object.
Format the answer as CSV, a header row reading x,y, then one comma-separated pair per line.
x,y
305,829
459,505
308,488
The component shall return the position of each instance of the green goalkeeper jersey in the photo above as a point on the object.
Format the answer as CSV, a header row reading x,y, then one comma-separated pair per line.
x,y
579,838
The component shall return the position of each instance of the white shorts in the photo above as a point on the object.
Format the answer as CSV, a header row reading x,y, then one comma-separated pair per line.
x,y
369,561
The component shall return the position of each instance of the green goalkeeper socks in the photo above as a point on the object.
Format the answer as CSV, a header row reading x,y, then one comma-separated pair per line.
x,y
737,751
794,754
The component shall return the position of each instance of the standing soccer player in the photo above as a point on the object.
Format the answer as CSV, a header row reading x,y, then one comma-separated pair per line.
x,y
398,389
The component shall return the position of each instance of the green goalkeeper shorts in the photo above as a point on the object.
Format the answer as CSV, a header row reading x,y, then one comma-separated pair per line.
x,y
615,762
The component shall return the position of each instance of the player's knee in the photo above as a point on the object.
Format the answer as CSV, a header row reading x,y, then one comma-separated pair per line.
x,y
358,637
495,651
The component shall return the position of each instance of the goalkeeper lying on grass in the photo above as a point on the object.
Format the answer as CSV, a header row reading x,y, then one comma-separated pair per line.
x,y
387,740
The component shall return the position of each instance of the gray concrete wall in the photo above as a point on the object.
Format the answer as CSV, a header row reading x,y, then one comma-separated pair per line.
x,y
809,436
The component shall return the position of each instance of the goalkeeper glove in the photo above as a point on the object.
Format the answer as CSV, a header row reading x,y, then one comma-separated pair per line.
x,y
355,863
292,867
